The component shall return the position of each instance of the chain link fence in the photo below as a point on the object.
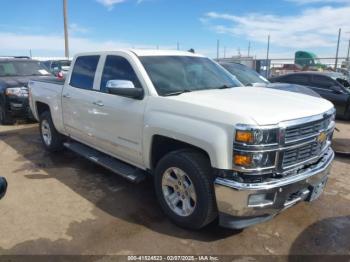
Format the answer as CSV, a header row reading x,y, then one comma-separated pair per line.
x,y
281,66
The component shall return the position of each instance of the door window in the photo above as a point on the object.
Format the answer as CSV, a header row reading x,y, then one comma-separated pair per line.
x,y
118,68
84,72
322,82
298,79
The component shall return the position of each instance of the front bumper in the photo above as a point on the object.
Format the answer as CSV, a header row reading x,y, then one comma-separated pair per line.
x,y
18,107
236,211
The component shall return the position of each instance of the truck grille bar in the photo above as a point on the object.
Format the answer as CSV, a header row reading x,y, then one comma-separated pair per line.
x,y
292,157
307,130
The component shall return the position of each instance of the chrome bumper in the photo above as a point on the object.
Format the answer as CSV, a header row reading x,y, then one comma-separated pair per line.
x,y
233,197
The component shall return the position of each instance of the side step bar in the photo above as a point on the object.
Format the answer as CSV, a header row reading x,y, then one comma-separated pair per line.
x,y
127,171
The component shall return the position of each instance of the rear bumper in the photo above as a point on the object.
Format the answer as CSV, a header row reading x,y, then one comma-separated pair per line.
x,y
238,211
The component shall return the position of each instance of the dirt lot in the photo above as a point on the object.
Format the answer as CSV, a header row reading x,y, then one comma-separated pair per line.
x,y
63,204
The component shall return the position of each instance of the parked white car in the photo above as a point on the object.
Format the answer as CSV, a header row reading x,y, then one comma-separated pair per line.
x,y
213,147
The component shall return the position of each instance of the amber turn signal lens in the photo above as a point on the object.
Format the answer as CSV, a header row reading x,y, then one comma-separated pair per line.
x,y
244,136
241,160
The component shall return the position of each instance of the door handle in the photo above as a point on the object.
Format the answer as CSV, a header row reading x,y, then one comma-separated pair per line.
x,y
66,95
98,103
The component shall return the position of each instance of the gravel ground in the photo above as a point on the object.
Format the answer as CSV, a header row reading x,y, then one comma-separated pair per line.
x,y
63,204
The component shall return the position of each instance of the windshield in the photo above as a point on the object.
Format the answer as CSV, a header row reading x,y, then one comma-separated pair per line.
x,y
21,68
245,75
177,74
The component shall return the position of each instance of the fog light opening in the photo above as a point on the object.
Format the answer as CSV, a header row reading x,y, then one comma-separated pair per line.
x,y
261,200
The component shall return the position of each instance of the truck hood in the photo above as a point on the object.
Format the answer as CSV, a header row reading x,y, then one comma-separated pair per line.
x,y
263,105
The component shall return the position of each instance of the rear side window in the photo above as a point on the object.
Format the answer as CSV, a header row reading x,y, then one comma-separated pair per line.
x,y
84,72
298,79
118,68
323,82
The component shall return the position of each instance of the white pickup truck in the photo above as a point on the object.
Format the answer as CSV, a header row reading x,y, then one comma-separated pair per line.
x,y
215,148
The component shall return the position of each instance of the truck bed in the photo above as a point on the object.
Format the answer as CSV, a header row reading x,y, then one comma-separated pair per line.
x,y
48,91
50,80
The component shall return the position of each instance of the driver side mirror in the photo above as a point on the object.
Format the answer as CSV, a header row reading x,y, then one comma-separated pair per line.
x,y
124,88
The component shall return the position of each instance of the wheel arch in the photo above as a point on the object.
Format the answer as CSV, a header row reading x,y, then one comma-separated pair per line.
x,y
162,145
41,107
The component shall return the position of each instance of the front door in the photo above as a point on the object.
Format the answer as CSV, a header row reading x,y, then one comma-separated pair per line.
x,y
119,126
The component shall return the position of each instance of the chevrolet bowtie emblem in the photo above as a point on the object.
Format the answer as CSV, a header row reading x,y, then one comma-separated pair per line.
x,y
322,137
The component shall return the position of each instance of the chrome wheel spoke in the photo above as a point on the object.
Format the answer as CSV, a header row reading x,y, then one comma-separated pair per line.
x,y
173,199
186,206
46,132
170,181
192,193
179,192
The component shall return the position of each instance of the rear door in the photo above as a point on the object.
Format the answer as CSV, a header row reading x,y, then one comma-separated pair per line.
x,y
119,125
78,97
323,85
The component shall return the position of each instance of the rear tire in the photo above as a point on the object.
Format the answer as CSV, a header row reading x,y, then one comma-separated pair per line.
x,y
5,118
184,187
50,137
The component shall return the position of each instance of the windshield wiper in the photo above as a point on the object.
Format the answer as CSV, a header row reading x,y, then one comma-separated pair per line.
x,y
225,87
176,93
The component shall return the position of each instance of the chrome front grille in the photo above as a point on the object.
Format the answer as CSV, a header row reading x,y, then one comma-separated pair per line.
x,y
301,142
306,130
301,154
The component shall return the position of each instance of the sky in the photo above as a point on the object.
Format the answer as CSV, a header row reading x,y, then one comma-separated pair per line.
x,y
94,25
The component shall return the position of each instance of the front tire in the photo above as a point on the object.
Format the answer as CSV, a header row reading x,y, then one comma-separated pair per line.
x,y
184,187
50,137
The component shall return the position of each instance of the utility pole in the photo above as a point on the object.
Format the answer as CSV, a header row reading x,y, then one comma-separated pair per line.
x,y
30,53
336,56
348,57
218,49
178,45
267,56
248,48
66,42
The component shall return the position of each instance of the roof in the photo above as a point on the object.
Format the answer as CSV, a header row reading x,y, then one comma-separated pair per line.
x,y
151,52
16,59
312,73
312,55
145,52
232,63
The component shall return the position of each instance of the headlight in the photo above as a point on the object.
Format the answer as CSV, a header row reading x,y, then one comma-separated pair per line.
x,y
250,160
252,136
17,91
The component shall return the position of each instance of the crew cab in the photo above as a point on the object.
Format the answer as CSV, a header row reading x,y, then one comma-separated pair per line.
x,y
15,73
215,148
